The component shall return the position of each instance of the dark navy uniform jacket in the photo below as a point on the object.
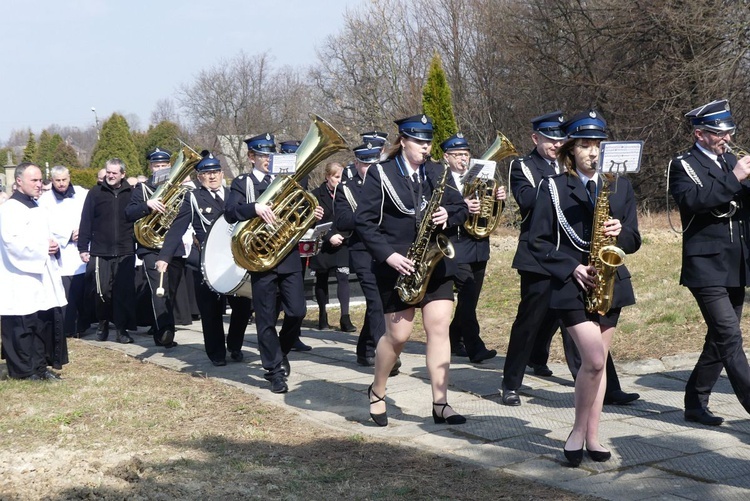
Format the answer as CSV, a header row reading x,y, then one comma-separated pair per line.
x,y
714,249
383,226
561,259
343,210
138,209
524,183
239,208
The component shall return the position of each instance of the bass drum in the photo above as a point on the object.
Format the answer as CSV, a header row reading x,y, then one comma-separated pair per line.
x,y
219,270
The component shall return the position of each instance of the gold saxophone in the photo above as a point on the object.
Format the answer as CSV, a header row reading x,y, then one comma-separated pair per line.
x,y
483,223
258,246
604,255
151,229
425,253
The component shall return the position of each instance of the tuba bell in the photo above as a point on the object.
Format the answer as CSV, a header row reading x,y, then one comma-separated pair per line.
x,y
151,229
258,246
483,223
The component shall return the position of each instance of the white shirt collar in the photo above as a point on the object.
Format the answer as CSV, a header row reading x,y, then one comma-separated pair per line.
x,y
585,179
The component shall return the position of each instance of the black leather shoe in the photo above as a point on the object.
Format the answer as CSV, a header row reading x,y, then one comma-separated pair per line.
x,y
440,419
619,397
599,456
482,356
278,385
703,416
396,367
366,361
346,324
382,418
50,376
541,370
123,337
236,355
166,337
219,363
285,365
511,397
167,346
33,377
574,457
300,346
459,351
102,332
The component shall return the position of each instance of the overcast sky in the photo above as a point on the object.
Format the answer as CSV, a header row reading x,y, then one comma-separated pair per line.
x,y
61,58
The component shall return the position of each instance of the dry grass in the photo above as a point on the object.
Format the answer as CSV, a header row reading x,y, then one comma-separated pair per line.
x,y
117,428
665,321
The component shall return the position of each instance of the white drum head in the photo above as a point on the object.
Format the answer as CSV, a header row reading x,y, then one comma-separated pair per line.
x,y
220,271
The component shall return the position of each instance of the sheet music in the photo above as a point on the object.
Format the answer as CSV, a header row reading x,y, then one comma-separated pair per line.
x,y
620,157
282,163
483,169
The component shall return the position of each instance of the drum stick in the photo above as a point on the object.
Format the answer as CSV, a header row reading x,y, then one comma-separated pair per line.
x,y
160,289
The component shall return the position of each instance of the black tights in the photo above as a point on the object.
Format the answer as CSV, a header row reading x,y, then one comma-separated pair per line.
x,y
321,290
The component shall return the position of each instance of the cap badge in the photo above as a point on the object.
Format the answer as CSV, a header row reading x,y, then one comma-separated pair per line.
x,y
459,135
560,119
592,114
424,119
268,136
726,106
369,146
157,150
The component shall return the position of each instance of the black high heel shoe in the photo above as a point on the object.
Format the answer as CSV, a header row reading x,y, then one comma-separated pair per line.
x,y
454,419
573,457
599,456
380,419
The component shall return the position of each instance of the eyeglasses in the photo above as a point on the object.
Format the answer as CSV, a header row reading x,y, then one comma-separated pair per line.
x,y
458,154
210,173
723,133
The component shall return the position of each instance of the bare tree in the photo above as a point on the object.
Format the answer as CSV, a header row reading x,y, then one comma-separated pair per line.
x,y
165,111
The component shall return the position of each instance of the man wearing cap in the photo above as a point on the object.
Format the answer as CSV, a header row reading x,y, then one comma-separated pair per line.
x,y
32,294
164,267
285,280
347,195
207,203
711,189
106,244
65,203
472,255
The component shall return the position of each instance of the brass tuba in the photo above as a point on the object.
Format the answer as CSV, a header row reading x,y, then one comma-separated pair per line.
x,y
151,229
258,246
604,256
483,223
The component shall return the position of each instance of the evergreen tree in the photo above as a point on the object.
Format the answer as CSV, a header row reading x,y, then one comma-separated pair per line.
x,y
4,159
29,152
46,149
65,155
116,142
164,135
438,105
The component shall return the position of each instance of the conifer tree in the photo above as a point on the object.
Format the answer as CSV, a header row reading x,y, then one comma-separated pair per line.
x,y
65,155
116,142
164,135
29,152
438,105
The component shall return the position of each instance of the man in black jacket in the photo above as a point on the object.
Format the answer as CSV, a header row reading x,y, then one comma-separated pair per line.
x,y
106,244
712,191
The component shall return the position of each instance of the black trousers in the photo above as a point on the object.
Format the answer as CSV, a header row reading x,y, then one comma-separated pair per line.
x,y
74,313
268,288
465,326
163,307
534,318
373,327
212,307
113,279
32,342
722,310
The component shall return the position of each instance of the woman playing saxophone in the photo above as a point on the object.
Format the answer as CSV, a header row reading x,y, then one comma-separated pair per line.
x,y
561,235
396,197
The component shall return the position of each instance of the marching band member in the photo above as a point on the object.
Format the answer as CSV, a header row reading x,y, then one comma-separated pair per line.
x,y
207,204
472,255
561,228
106,236
285,280
388,219
348,194
155,261
712,191
333,255
32,294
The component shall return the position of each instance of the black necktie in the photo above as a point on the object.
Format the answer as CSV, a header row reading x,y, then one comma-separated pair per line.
x,y
217,197
267,179
553,165
415,178
591,188
723,163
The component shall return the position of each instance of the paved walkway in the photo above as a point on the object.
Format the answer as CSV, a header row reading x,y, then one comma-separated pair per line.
x,y
656,454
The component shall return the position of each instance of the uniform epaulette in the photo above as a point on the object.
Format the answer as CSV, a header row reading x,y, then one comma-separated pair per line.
x,y
683,155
